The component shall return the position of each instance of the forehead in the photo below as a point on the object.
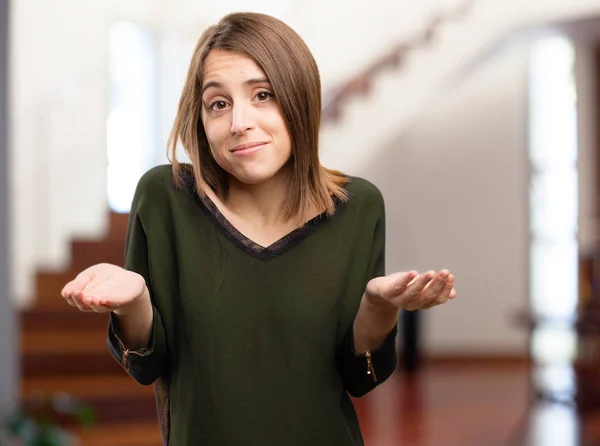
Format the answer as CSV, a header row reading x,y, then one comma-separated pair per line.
x,y
229,64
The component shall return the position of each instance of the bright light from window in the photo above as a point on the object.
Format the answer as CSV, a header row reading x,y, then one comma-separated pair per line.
x,y
131,127
553,195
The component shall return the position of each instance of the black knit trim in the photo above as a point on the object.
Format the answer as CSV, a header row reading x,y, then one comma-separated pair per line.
x,y
252,248
246,244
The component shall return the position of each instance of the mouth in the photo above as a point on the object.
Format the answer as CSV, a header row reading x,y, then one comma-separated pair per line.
x,y
248,149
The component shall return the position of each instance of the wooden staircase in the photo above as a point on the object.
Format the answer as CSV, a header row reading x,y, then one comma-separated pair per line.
x,y
64,350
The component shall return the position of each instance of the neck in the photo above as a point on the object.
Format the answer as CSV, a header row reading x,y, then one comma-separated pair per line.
x,y
261,204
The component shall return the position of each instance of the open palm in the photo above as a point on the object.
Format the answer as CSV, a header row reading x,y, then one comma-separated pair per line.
x,y
103,287
411,291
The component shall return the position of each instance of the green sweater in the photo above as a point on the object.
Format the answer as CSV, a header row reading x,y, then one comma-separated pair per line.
x,y
253,346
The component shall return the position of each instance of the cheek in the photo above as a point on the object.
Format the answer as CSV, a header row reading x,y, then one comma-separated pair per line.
x,y
287,142
217,135
280,129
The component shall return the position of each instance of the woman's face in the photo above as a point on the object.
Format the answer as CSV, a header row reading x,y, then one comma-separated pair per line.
x,y
243,124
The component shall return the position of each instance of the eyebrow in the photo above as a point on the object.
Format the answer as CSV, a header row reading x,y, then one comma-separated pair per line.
x,y
215,84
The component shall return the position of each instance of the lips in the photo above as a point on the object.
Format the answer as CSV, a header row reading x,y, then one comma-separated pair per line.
x,y
251,145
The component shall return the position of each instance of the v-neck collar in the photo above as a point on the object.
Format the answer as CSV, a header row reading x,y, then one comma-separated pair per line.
x,y
248,245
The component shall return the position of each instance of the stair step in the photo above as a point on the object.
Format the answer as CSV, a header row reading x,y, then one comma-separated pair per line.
x,y
114,399
58,315
86,387
55,303
130,434
119,409
110,409
85,253
63,342
39,365
117,226
49,284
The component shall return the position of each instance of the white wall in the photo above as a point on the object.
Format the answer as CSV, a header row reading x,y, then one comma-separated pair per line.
x,y
356,34
58,90
456,190
342,39
57,138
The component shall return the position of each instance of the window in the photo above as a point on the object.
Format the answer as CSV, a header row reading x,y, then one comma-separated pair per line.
x,y
131,123
553,206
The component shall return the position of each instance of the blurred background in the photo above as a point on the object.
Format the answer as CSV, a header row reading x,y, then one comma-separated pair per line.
x,y
476,119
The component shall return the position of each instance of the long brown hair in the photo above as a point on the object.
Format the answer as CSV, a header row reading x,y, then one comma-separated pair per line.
x,y
294,76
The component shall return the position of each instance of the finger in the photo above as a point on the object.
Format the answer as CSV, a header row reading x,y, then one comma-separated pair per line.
x,y
102,309
66,291
447,293
437,291
403,280
435,287
453,291
101,305
390,286
90,300
421,282
432,304
76,285
444,293
69,300
82,306
82,301
410,299
415,277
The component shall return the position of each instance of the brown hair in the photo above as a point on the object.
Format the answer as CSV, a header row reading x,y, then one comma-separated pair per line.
x,y
294,77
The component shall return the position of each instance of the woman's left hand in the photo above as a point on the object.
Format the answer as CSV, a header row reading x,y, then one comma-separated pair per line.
x,y
411,291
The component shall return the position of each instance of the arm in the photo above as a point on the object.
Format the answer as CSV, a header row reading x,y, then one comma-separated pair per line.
x,y
373,325
135,321
136,336
367,355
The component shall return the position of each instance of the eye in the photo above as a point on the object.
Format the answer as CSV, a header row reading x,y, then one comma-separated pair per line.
x,y
217,105
264,96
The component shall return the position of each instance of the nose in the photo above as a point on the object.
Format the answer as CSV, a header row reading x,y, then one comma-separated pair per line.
x,y
241,119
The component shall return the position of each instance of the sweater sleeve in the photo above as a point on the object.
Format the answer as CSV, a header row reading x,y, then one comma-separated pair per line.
x,y
361,372
146,364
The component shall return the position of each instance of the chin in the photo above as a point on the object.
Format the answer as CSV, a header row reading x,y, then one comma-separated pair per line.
x,y
256,177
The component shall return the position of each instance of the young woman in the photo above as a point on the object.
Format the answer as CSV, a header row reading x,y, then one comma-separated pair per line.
x,y
253,293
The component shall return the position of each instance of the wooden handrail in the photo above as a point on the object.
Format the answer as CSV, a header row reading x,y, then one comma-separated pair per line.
x,y
334,99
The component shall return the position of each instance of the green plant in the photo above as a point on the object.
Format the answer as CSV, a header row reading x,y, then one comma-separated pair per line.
x,y
47,420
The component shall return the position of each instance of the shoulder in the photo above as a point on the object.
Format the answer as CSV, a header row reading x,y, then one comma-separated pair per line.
x,y
159,181
158,200
156,178
156,189
364,193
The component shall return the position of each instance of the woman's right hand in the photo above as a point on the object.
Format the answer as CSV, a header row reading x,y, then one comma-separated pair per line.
x,y
105,287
